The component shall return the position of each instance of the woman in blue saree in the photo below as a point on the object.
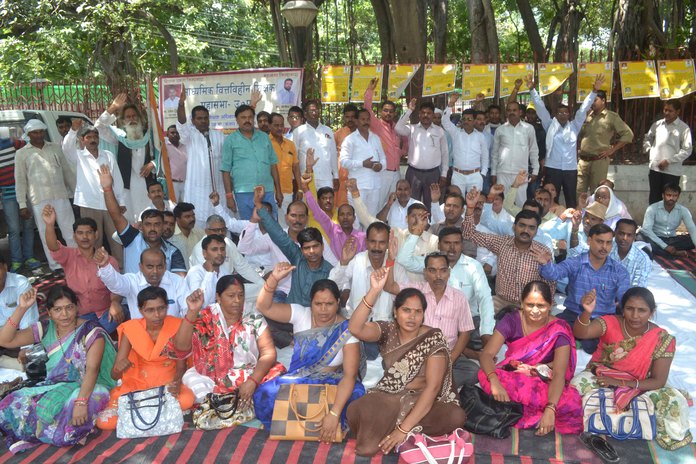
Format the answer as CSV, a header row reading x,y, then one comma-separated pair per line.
x,y
62,409
324,353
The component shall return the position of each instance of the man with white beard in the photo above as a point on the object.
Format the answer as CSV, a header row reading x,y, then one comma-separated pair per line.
x,y
132,149
204,148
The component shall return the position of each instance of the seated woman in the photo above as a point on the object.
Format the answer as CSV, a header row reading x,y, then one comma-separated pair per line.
x,y
230,350
633,357
324,351
416,391
62,409
139,361
616,209
555,207
538,365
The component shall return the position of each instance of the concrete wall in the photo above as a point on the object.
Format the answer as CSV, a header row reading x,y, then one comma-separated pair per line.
x,y
631,186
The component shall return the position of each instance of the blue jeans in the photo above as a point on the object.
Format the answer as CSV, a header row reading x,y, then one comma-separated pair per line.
x,y
21,248
109,326
245,204
590,345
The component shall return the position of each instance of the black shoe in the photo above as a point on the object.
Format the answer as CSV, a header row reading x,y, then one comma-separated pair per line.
x,y
600,447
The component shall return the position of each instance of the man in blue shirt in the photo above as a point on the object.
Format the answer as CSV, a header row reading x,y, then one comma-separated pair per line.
x,y
136,241
592,270
661,222
625,251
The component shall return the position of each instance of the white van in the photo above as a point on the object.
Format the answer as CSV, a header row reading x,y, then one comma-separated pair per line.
x,y
16,119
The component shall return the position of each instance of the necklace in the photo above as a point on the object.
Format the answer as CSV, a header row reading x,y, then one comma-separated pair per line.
x,y
525,330
60,342
634,336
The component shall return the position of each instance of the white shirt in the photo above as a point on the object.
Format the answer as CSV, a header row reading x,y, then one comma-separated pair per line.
x,y
322,140
354,150
671,142
397,214
514,148
88,191
198,169
41,174
254,243
561,141
234,261
469,151
129,285
197,277
427,148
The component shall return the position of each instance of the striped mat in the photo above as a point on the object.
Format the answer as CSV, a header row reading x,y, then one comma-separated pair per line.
x,y
246,445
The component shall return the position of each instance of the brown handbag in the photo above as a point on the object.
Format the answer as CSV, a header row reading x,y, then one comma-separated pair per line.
x,y
299,410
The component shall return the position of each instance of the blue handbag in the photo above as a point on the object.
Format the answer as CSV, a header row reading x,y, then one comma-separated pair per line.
x,y
637,422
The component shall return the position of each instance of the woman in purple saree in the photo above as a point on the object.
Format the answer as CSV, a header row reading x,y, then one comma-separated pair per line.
x,y
538,365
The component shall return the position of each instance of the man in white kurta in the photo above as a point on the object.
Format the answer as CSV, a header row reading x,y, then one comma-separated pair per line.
x,y
362,155
314,134
204,148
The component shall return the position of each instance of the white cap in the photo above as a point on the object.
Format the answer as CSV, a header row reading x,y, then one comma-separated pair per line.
x,y
33,125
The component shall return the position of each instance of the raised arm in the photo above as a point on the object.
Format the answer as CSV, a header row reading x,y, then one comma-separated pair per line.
x,y
10,336
279,312
117,283
359,324
181,109
273,229
183,337
49,218
446,122
112,206
402,126
539,105
361,211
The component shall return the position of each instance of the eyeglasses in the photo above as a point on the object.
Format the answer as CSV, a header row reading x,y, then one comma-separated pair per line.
x,y
67,308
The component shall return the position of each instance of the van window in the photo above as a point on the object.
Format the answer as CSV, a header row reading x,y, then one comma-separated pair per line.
x,y
68,116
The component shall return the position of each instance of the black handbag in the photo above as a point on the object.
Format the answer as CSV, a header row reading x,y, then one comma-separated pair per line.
x,y
487,416
37,358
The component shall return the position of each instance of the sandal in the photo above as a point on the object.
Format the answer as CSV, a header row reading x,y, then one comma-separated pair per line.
x,y
600,447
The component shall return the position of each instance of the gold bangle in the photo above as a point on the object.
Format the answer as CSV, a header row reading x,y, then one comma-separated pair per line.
x,y
584,324
405,432
333,413
488,376
369,306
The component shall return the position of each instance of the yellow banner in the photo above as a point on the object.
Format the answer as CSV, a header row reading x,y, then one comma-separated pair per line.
x,y
638,79
476,79
510,72
552,76
677,78
362,75
438,79
399,77
587,73
334,84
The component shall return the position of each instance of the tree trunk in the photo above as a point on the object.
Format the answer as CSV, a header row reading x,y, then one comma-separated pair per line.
x,y
171,43
692,40
439,9
281,41
484,35
385,28
567,45
116,60
532,28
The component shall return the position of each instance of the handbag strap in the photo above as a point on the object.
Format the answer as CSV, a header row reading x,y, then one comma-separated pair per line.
x,y
620,434
135,410
218,405
322,411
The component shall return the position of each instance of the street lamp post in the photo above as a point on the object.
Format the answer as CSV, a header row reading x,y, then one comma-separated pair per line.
x,y
299,14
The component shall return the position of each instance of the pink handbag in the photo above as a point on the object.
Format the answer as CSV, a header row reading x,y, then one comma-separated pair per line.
x,y
419,448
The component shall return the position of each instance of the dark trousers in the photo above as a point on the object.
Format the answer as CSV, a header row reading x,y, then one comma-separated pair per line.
x,y
680,242
657,181
588,346
566,181
421,180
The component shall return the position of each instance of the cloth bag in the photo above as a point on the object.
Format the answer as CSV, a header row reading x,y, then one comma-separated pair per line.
x,y
487,416
600,416
148,413
299,409
419,448
220,411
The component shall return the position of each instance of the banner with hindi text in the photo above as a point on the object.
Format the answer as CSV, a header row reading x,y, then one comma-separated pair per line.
x,y
362,75
638,79
552,76
587,73
399,77
478,78
335,81
438,79
221,93
677,78
509,73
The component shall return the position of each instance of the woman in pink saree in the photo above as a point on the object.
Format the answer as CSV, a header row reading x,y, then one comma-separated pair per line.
x,y
538,365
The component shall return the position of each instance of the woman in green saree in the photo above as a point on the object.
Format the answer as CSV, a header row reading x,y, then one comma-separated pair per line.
x,y
62,409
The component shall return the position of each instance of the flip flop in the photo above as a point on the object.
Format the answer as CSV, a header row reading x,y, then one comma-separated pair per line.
x,y
600,447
